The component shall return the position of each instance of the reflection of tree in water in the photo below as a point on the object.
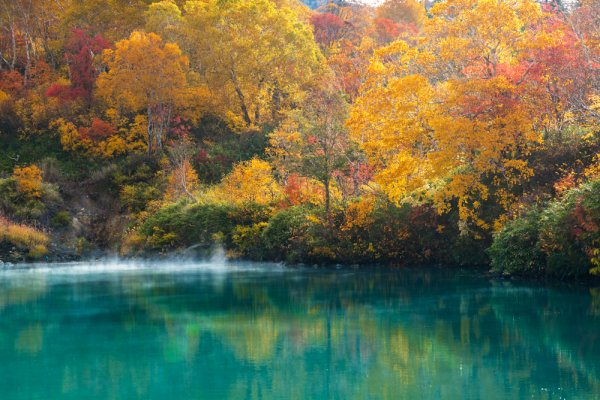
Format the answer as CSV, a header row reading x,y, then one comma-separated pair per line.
x,y
416,334
20,290
337,318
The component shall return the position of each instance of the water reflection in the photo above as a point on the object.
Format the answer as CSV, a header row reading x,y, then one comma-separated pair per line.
x,y
262,332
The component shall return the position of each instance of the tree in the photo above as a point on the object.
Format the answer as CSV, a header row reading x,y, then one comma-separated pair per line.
x,y
29,180
165,19
586,25
254,55
562,74
114,19
80,54
327,28
144,74
314,143
28,30
183,179
403,11
250,182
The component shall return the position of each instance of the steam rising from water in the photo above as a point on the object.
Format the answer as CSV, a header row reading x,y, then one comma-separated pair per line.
x,y
216,264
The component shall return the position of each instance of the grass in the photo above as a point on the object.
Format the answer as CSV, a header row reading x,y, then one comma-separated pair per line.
x,y
24,237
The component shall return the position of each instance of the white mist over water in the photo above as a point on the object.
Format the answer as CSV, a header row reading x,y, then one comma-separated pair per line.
x,y
215,265
219,257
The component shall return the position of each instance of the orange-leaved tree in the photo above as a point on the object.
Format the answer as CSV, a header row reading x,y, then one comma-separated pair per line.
x,y
145,75
446,119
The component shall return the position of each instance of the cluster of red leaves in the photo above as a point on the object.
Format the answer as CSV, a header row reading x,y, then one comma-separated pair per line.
x,y
100,130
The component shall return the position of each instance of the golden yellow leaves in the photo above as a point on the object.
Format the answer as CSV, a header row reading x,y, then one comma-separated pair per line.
x,y
143,71
481,33
146,75
403,11
249,182
29,180
440,118
254,55
389,121
358,214
127,138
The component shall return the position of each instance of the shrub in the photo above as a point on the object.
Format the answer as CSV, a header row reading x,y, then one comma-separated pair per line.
x,y
569,232
18,205
183,224
384,232
248,241
293,234
29,180
560,241
516,248
136,197
61,219
24,205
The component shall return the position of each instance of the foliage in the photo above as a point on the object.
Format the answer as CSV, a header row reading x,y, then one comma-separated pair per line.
x,y
407,132
254,55
312,143
29,180
443,129
561,241
24,204
516,249
182,225
182,179
249,182
288,236
406,11
144,75
80,50
61,219
25,237
569,232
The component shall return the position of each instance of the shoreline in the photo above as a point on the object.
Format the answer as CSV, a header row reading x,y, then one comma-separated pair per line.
x,y
482,271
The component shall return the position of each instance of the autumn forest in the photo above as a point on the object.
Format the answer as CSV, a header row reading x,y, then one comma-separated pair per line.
x,y
454,132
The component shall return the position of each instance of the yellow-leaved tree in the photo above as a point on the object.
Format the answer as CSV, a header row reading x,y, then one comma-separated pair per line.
x,y
250,182
255,56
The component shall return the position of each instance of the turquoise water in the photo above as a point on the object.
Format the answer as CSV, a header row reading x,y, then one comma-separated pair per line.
x,y
251,331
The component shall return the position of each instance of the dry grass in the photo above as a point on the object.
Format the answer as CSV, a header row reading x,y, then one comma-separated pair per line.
x,y
25,237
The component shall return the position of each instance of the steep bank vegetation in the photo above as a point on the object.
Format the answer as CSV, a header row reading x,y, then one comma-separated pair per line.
x,y
400,134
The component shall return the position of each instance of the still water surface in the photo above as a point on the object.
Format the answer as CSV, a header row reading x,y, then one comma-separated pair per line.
x,y
256,331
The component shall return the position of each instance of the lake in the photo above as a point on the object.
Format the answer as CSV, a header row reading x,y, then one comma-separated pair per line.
x,y
182,330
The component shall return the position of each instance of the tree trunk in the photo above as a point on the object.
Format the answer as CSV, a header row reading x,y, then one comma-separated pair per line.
x,y
276,102
14,47
149,130
241,97
327,199
27,61
243,105
355,178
